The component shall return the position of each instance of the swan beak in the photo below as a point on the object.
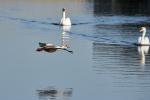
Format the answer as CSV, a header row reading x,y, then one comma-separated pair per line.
x,y
141,30
63,9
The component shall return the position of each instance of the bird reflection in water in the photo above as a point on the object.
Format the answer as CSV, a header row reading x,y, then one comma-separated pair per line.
x,y
53,93
143,50
47,47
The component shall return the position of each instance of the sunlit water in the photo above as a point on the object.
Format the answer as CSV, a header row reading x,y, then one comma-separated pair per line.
x,y
104,65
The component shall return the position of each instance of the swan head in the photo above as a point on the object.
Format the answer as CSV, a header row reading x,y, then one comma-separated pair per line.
x,y
143,29
63,9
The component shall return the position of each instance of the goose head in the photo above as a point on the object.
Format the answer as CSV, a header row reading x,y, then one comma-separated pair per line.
x,y
143,29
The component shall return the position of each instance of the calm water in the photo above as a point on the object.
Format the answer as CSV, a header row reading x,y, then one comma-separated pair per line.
x,y
105,64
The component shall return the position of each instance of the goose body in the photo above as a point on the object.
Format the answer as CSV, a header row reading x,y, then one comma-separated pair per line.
x,y
51,47
65,21
142,40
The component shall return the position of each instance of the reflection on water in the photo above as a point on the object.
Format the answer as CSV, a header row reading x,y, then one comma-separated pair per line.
x,y
143,50
123,54
122,65
66,28
64,43
123,7
53,93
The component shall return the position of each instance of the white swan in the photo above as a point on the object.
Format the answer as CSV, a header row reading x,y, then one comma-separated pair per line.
x,y
65,21
142,40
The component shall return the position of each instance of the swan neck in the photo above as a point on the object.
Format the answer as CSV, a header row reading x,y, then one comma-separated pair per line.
x,y
143,34
64,14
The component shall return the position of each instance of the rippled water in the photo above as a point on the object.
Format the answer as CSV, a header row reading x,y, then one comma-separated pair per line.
x,y
105,63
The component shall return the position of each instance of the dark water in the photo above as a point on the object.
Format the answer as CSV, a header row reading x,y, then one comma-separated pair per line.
x,y
104,65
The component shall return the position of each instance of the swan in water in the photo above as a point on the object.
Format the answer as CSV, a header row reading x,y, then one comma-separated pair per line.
x,y
65,21
142,40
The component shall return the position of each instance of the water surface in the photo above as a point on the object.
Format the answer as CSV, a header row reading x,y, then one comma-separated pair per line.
x,y
104,65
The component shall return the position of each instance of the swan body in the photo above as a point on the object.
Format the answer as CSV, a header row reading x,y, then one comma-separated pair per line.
x,y
65,21
142,40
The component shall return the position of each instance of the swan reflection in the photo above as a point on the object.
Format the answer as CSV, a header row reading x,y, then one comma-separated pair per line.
x,y
66,28
143,50
48,47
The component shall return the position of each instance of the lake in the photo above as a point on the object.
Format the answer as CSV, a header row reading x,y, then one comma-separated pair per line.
x,y
105,63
